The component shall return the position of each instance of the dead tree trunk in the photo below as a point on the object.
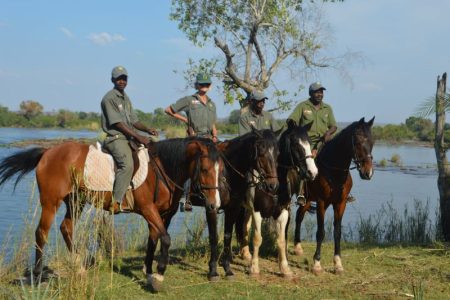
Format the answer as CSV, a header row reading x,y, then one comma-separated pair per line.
x,y
442,162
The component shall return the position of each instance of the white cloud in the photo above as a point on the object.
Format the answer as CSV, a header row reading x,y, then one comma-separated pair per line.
x,y
104,38
66,32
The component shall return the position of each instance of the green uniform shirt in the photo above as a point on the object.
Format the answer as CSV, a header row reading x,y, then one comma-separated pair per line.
x,y
322,119
201,117
262,121
117,108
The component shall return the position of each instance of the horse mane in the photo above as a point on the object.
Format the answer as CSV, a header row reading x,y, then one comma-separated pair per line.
x,y
172,153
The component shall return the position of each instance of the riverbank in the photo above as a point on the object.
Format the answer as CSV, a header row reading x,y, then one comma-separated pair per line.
x,y
378,272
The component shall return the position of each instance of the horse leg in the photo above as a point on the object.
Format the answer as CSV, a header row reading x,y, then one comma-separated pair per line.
x,y
281,222
257,241
317,268
156,230
47,216
338,213
298,249
211,218
230,220
244,224
73,212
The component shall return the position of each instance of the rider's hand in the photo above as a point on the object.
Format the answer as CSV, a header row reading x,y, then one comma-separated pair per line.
x,y
153,131
326,137
143,140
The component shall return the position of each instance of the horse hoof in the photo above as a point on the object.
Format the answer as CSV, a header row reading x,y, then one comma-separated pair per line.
x,y
298,250
287,275
246,257
213,278
229,276
155,282
317,271
339,271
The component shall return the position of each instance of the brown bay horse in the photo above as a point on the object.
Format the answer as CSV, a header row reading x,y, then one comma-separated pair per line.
x,y
57,173
334,182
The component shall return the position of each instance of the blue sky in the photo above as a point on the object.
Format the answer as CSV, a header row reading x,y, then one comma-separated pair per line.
x,y
61,53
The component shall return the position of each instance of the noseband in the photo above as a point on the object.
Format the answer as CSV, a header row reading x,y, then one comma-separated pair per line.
x,y
358,161
197,187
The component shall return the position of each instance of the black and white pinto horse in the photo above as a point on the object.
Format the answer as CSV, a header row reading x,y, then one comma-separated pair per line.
x,y
295,157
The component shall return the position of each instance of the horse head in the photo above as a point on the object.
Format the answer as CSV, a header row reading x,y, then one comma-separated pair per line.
x,y
295,149
205,167
362,143
265,155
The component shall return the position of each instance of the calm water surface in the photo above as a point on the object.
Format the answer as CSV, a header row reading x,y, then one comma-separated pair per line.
x,y
417,179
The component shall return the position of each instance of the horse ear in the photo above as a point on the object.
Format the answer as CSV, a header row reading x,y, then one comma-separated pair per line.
x,y
291,123
256,131
308,126
361,121
370,123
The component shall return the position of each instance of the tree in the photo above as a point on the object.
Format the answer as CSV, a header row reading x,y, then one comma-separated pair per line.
x,y
234,116
256,38
30,109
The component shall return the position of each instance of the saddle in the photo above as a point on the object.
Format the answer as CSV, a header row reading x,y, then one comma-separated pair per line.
x,y
99,169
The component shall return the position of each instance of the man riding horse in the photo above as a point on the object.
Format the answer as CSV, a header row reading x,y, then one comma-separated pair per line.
x,y
320,114
120,122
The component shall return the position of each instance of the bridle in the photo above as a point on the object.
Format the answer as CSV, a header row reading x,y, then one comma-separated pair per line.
x,y
198,189
298,167
357,161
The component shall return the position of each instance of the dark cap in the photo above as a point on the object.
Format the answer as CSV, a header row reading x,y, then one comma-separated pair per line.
x,y
203,78
316,86
257,95
118,71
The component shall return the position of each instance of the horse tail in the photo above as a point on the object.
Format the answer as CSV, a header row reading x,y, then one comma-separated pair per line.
x,y
20,163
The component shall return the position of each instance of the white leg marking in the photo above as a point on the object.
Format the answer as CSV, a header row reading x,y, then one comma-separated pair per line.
x,y
338,264
257,241
216,168
281,242
317,268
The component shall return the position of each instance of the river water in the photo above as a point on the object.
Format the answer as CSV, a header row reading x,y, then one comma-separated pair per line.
x,y
415,179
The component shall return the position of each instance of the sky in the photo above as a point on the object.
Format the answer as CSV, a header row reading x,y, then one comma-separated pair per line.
x,y
61,53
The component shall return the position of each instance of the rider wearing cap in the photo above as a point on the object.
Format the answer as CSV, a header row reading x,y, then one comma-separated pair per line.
x,y
119,122
200,116
255,116
320,114
200,110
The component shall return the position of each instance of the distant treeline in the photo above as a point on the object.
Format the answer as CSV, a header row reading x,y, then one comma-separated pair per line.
x,y
414,129
31,114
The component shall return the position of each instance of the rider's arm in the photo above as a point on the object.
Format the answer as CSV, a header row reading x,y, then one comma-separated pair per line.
x,y
169,110
129,133
244,127
332,127
140,126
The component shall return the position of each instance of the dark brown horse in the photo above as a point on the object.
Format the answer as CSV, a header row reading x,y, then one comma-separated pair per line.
x,y
57,174
250,162
334,182
295,158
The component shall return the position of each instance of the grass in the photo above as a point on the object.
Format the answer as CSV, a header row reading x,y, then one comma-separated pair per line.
x,y
376,267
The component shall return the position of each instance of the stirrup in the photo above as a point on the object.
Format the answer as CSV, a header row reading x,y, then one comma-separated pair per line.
x,y
301,200
350,198
187,205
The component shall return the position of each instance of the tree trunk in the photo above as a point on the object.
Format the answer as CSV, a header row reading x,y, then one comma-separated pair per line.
x,y
442,162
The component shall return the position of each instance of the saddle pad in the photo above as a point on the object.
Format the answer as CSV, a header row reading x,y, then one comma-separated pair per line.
x,y
99,169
